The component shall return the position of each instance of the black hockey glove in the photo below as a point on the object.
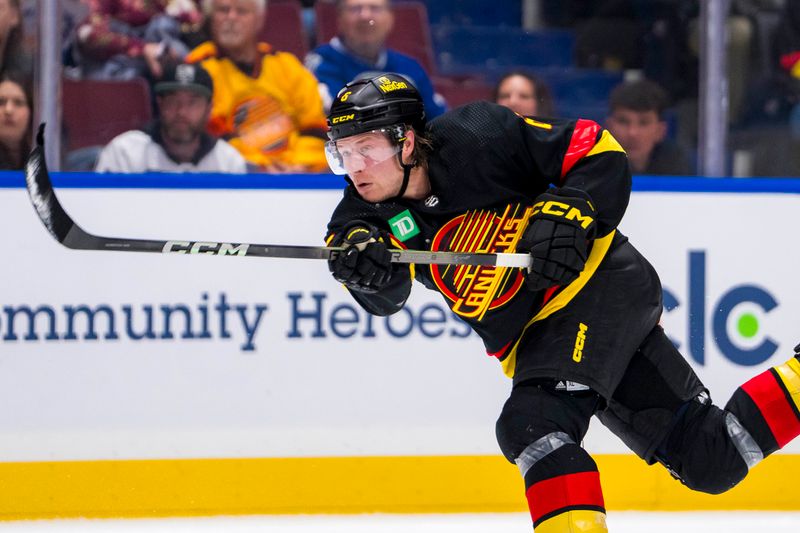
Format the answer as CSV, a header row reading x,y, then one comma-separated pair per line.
x,y
365,264
558,236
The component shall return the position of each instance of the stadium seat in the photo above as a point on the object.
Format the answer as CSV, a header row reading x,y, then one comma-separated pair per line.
x,y
474,12
580,92
94,112
458,92
576,92
580,84
411,34
284,27
476,48
324,20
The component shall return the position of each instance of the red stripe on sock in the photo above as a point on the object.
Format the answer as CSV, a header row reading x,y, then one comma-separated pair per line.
x,y
565,491
771,400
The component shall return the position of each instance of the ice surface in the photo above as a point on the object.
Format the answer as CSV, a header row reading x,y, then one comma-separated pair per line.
x,y
619,522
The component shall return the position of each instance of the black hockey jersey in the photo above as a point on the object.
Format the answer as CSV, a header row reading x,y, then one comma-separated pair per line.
x,y
487,166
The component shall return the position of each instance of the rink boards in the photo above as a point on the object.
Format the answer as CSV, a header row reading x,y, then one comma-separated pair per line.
x,y
142,384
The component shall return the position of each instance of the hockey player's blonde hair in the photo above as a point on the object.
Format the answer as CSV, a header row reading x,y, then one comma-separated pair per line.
x,y
423,146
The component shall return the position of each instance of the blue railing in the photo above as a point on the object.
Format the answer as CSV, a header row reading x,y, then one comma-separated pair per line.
x,y
91,180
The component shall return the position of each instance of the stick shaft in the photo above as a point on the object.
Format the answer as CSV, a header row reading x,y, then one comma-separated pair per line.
x,y
64,229
78,239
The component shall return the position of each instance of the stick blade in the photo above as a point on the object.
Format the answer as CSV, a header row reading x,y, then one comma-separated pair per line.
x,y
43,197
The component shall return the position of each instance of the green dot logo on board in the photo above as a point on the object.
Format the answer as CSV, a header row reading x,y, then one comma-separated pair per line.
x,y
747,325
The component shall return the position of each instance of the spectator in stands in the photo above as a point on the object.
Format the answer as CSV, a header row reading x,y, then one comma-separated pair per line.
x,y
636,120
787,44
177,141
265,102
122,39
15,119
12,53
359,51
524,94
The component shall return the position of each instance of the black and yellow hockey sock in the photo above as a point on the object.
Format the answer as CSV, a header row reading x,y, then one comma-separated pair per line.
x,y
769,405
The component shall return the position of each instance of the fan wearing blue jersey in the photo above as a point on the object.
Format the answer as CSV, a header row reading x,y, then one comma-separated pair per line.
x,y
359,51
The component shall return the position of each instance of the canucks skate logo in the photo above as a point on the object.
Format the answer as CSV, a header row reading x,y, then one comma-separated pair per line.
x,y
474,290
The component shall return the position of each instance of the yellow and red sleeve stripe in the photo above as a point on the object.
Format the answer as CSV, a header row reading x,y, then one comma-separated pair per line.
x,y
588,139
584,137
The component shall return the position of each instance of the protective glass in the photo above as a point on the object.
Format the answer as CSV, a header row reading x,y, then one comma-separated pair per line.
x,y
361,151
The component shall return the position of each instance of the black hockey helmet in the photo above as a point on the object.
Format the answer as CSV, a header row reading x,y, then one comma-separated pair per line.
x,y
374,103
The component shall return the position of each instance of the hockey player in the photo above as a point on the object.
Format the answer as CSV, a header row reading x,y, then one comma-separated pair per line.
x,y
578,332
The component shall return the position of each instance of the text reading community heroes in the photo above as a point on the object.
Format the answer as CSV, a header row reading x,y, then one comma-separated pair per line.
x,y
309,316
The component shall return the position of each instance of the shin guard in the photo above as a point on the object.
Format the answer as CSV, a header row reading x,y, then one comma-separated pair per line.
x,y
769,406
562,487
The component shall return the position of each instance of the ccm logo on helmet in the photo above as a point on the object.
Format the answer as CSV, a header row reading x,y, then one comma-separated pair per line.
x,y
559,209
343,118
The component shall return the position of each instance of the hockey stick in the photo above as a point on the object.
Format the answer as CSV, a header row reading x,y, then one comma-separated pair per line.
x,y
68,233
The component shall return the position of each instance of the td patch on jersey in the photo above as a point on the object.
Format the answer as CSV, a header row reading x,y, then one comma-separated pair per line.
x,y
403,226
475,290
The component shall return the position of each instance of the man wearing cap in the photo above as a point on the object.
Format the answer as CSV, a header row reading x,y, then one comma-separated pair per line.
x,y
177,140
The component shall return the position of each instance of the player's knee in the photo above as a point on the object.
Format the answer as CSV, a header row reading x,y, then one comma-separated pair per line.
x,y
520,423
714,477
708,450
537,409
513,433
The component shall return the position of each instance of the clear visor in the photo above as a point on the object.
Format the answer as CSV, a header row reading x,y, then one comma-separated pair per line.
x,y
359,152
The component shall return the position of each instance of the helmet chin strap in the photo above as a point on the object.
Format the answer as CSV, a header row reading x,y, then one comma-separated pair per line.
x,y
406,169
406,175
